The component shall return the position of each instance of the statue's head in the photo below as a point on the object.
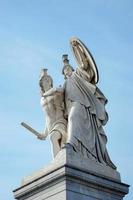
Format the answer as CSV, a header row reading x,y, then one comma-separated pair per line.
x,y
46,85
67,71
67,68
46,82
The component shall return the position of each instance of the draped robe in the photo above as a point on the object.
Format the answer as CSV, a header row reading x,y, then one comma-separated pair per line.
x,y
85,107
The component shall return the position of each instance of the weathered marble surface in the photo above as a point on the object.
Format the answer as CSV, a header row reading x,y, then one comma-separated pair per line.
x,y
67,156
75,113
71,178
75,116
85,106
52,101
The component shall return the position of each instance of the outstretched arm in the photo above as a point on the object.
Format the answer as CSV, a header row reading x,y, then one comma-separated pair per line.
x,y
52,91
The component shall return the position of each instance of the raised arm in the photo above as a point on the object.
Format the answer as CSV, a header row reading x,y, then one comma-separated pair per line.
x,y
80,55
86,65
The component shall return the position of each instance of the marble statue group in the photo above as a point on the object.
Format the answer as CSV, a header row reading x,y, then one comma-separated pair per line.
x,y
75,116
75,112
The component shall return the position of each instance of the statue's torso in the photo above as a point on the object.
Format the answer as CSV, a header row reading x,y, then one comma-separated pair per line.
x,y
53,106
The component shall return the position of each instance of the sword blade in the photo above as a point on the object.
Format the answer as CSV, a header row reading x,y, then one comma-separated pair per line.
x,y
30,128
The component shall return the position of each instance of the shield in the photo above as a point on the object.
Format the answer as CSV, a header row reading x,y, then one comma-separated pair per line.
x,y
81,53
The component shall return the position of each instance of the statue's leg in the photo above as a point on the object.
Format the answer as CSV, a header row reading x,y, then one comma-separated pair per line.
x,y
55,138
76,123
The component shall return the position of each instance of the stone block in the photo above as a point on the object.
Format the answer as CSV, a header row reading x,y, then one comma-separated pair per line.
x,y
69,177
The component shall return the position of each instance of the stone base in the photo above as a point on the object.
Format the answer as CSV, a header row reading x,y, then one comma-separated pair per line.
x,y
70,177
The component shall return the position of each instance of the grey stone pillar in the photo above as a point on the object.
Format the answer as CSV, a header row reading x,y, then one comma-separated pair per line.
x,y
69,177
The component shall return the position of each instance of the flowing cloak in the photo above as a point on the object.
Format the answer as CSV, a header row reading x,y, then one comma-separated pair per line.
x,y
85,106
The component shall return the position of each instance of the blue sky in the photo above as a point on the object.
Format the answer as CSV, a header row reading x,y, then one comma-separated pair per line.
x,y
35,34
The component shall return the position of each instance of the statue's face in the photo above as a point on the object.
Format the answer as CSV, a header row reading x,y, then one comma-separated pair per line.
x,y
68,72
47,85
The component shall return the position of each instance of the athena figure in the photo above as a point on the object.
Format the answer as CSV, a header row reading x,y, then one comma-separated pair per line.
x,y
85,106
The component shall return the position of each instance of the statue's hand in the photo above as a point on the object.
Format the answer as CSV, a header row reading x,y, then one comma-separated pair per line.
x,y
41,136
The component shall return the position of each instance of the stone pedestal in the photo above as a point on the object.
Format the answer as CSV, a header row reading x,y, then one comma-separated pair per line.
x,y
70,177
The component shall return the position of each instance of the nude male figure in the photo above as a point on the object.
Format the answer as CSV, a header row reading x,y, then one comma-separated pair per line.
x,y
56,124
